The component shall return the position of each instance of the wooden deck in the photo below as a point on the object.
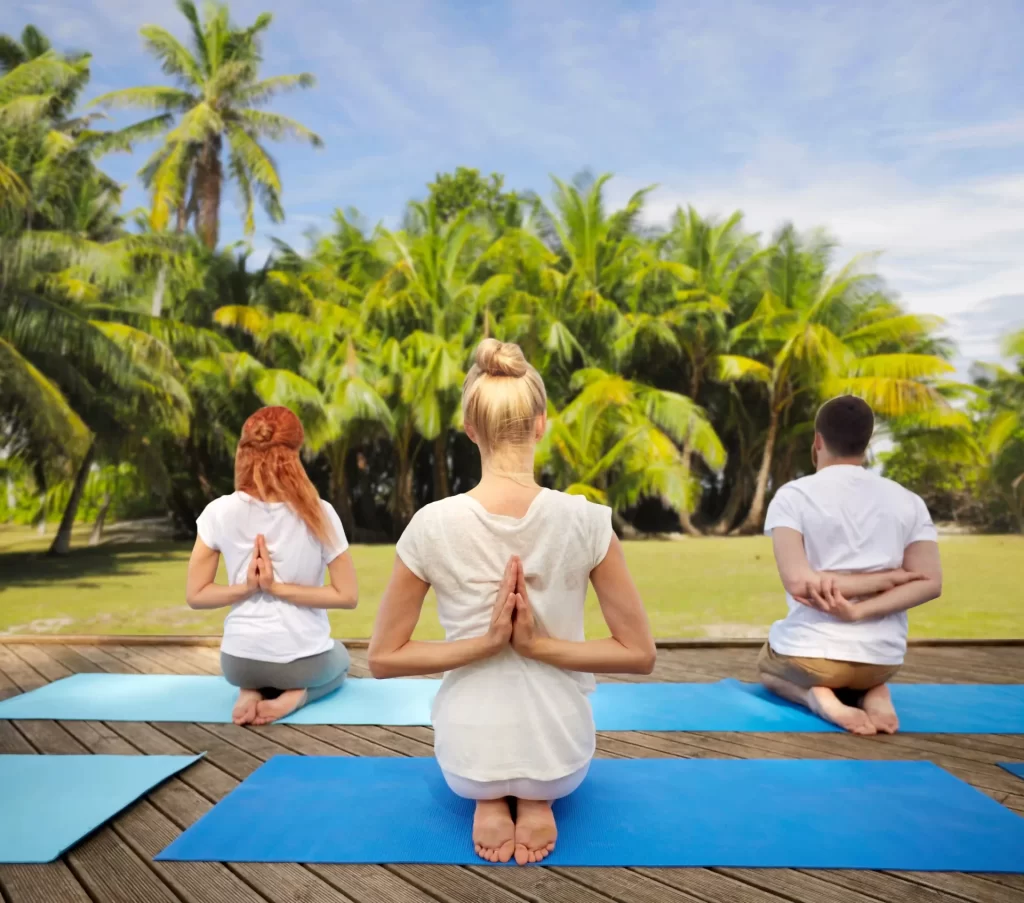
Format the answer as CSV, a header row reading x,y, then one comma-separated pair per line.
x,y
115,865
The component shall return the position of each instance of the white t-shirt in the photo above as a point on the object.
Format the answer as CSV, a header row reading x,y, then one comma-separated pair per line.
x,y
507,716
263,627
852,520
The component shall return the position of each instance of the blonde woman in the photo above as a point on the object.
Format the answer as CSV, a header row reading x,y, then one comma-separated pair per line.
x,y
510,563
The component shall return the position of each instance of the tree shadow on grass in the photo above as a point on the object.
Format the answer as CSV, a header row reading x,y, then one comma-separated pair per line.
x,y
19,569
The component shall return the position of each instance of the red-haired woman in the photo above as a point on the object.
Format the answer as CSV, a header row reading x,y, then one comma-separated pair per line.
x,y
277,536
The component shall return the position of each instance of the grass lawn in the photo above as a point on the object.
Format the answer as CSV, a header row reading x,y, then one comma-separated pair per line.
x,y
692,588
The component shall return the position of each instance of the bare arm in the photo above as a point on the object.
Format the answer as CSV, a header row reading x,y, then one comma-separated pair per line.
x,y
801,581
341,592
201,591
919,557
630,648
393,652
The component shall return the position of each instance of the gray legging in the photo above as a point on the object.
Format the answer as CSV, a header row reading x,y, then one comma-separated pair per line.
x,y
318,674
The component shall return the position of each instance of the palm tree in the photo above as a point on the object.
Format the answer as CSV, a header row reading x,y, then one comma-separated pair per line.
x,y
815,334
617,442
212,113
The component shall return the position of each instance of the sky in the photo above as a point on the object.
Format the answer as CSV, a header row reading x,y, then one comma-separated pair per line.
x,y
897,125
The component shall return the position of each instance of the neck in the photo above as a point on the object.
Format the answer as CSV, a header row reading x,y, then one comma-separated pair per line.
x,y
831,461
509,465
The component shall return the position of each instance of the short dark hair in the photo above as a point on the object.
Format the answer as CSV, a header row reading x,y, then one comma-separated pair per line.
x,y
846,424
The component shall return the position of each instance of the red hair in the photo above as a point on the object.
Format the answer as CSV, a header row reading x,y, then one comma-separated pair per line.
x,y
267,466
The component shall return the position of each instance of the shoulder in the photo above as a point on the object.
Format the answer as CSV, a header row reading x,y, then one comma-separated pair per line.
x,y
588,515
221,505
430,515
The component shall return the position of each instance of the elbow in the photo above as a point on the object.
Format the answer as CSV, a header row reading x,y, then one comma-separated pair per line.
x,y
378,664
796,584
347,601
934,588
647,659
192,601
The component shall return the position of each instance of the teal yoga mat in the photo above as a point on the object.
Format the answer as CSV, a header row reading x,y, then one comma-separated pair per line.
x,y
49,803
724,706
641,812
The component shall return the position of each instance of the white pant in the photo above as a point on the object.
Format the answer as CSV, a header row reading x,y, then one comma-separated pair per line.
x,y
520,788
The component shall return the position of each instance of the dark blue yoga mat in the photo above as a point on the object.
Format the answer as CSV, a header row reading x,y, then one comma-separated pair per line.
x,y
642,812
49,803
724,706
1015,768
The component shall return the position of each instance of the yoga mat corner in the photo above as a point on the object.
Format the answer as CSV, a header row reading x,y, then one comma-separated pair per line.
x,y
52,802
1015,768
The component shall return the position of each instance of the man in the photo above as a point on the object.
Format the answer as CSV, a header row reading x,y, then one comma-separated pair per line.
x,y
854,551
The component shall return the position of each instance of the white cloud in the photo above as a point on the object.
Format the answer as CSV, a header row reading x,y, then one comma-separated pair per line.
x,y
1000,133
947,251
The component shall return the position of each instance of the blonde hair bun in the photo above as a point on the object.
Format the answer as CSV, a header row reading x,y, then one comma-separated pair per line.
x,y
501,359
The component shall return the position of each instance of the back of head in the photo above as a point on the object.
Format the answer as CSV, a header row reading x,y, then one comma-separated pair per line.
x,y
502,396
267,465
845,424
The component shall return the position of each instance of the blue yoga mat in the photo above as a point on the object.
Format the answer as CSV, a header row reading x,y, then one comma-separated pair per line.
x,y
724,706
643,812
52,802
1015,768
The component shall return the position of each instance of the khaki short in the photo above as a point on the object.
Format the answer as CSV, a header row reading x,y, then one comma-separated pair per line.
x,y
824,672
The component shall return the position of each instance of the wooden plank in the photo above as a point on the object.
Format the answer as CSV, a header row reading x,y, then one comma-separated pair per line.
x,y
49,883
454,884
48,667
621,884
967,887
12,742
370,884
104,660
71,659
547,885
705,884
225,756
803,887
7,687
21,674
885,886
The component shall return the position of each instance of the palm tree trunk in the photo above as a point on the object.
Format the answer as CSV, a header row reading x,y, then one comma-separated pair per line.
x,y
755,516
341,496
685,522
158,293
441,486
62,541
731,510
405,500
97,529
210,178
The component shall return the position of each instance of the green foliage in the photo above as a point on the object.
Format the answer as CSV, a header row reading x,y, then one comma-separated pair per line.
x,y
683,366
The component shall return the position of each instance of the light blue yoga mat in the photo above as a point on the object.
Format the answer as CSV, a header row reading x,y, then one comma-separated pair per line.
x,y
724,706
641,812
49,803
1015,768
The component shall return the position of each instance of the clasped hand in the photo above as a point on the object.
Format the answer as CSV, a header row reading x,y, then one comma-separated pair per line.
x,y
823,593
260,575
512,619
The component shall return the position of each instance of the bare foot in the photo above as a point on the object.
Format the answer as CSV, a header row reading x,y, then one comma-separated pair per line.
x,y
535,831
823,702
244,711
493,831
271,709
877,705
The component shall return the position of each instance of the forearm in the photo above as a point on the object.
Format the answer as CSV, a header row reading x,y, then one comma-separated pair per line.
x,y
857,586
899,598
606,656
416,657
328,596
214,595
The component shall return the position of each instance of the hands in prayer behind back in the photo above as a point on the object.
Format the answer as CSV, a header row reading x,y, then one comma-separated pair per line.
x,y
260,573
